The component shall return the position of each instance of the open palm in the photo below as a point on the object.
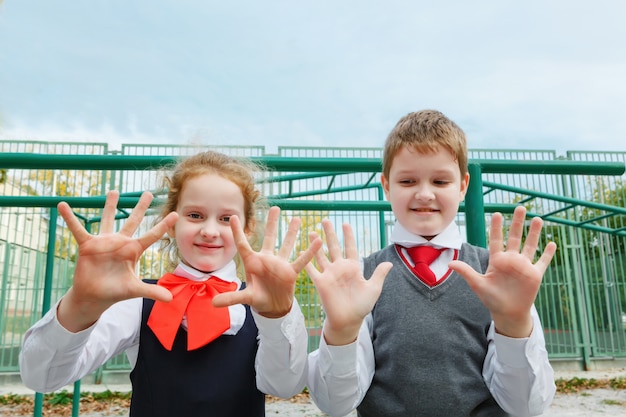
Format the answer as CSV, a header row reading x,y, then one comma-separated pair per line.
x,y
347,297
511,282
270,278
105,269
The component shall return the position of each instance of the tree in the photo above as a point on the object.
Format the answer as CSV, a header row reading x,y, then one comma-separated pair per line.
x,y
305,290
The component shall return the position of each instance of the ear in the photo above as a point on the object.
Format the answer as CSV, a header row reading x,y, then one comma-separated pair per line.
x,y
464,185
171,232
385,184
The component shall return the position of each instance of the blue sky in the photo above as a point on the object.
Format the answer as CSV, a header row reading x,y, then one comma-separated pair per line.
x,y
520,75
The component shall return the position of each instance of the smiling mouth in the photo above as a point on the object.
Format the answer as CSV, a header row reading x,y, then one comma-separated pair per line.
x,y
424,210
208,247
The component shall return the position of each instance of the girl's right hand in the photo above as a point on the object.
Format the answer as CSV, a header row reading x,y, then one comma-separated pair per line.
x,y
105,269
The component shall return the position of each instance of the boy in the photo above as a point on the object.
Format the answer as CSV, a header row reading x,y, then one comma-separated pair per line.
x,y
462,340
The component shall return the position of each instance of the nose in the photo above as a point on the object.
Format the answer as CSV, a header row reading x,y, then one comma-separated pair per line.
x,y
209,229
424,192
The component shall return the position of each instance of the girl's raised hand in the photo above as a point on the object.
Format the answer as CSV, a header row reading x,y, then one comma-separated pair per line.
x,y
270,278
105,269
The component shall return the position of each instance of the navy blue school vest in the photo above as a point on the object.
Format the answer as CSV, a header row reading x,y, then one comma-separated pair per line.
x,y
217,380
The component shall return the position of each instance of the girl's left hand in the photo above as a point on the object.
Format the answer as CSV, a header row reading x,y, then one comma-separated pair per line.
x,y
270,278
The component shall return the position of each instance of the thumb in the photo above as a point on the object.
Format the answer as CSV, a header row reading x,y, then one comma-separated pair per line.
x,y
230,298
380,274
155,292
467,272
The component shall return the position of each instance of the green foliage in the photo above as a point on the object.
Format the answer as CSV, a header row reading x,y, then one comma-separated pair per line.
x,y
575,385
59,398
107,395
13,399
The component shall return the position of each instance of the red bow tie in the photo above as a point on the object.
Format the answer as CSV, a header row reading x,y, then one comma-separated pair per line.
x,y
205,322
422,257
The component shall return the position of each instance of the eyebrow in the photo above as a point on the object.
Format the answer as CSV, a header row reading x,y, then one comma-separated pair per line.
x,y
430,173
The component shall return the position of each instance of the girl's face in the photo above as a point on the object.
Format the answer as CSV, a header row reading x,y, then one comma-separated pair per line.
x,y
425,190
202,232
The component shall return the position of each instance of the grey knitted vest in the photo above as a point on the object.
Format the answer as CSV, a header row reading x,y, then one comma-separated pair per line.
x,y
429,344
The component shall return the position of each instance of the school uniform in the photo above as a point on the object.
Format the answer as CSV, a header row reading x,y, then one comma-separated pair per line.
x,y
227,377
431,349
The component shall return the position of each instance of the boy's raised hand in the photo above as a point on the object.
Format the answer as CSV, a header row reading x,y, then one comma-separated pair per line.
x,y
510,285
347,297
105,269
270,278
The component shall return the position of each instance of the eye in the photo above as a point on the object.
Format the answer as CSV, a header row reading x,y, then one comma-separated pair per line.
x,y
194,216
441,182
406,182
225,219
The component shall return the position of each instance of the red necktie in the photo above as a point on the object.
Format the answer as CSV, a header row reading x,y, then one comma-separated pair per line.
x,y
205,322
422,257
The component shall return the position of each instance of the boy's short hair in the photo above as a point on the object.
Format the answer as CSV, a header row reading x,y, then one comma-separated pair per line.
x,y
425,131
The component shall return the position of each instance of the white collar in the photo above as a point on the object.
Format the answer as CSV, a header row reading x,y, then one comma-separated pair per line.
x,y
450,237
227,273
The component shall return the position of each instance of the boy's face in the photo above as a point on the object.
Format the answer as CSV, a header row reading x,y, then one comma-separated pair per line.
x,y
425,190
203,235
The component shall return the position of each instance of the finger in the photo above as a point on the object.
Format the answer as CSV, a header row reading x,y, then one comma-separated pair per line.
x,y
532,239
75,226
380,273
320,256
158,230
332,242
290,238
137,215
546,257
473,278
305,257
155,292
516,230
108,213
349,242
312,272
233,297
271,229
496,241
243,246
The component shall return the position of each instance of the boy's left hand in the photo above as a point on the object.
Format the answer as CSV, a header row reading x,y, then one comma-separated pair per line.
x,y
270,278
510,285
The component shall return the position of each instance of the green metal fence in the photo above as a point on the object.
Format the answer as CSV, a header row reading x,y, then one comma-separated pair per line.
x,y
582,301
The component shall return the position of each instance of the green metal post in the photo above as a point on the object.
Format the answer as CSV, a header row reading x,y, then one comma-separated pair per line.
x,y
381,220
584,312
47,290
5,281
76,399
475,208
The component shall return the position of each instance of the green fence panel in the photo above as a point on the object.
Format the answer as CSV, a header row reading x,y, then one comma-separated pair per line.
x,y
581,196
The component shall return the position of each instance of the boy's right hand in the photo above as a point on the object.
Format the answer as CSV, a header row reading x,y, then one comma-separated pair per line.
x,y
347,297
105,269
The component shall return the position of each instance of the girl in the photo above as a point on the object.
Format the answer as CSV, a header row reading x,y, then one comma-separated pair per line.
x,y
190,354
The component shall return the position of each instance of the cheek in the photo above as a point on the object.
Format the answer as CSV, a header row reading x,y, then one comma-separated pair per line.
x,y
227,233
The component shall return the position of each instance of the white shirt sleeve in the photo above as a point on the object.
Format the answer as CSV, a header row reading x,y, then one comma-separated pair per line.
x,y
281,359
52,357
339,376
518,372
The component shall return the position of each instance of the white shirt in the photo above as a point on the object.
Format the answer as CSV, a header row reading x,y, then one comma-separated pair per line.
x,y
52,357
516,371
